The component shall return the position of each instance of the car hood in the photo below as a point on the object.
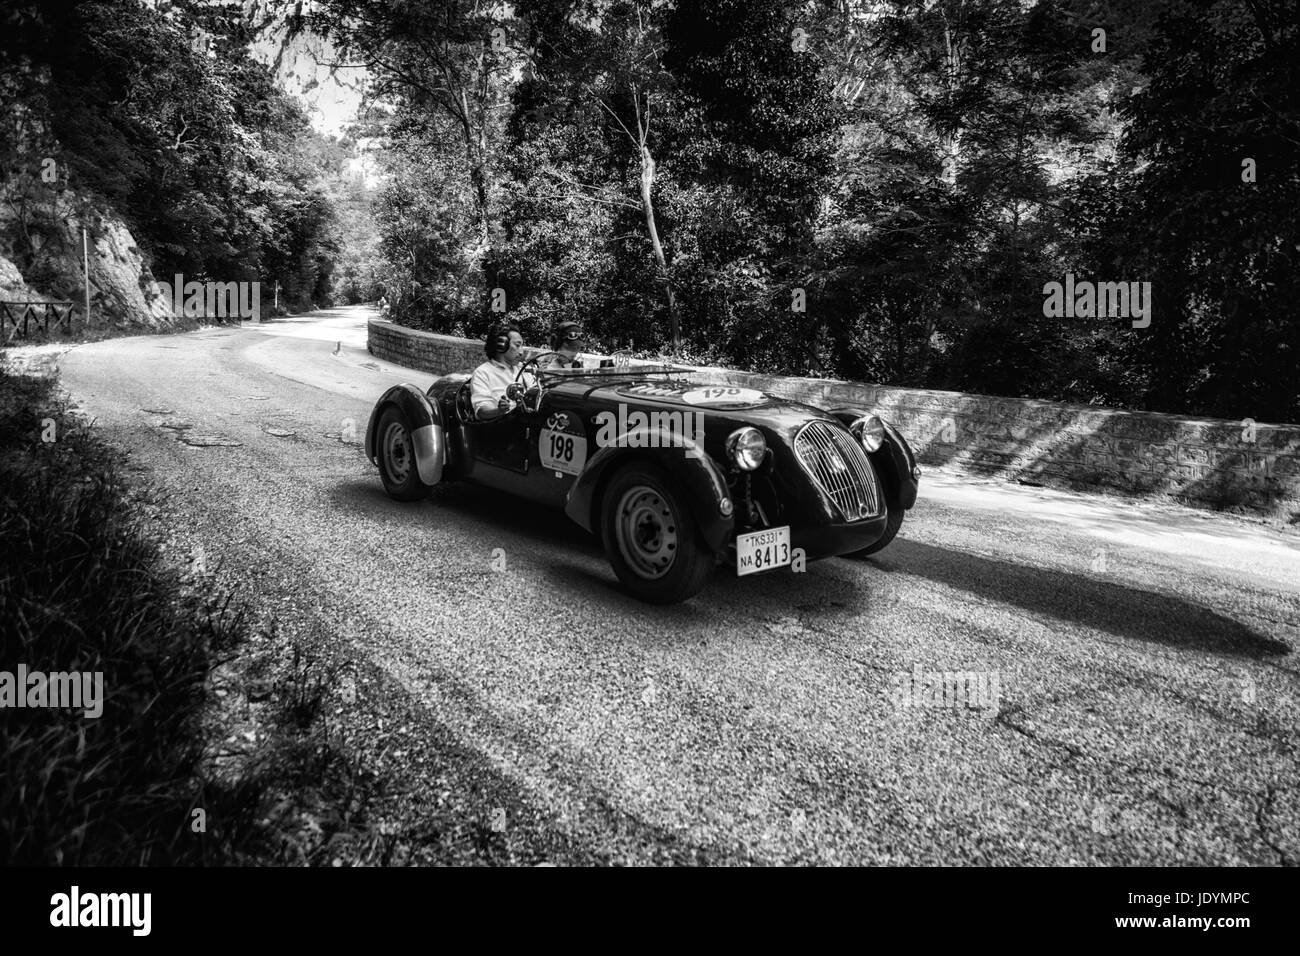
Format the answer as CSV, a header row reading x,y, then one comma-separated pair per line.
x,y
725,402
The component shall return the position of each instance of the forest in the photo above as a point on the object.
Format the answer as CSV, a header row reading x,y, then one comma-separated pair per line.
x,y
155,116
892,191
878,191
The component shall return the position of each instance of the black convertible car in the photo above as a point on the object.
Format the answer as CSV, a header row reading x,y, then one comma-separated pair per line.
x,y
675,476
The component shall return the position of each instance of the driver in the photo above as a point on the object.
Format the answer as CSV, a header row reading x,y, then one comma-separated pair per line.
x,y
504,349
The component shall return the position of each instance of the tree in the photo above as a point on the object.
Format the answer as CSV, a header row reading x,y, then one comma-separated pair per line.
x,y
1207,208
444,67
607,57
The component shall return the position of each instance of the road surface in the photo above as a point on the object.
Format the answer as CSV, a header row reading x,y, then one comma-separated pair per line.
x,y
1133,665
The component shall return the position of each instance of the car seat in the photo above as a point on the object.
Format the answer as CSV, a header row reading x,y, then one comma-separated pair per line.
x,y
465,406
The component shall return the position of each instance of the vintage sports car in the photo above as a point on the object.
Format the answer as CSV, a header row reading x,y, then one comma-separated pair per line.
x,y
676,477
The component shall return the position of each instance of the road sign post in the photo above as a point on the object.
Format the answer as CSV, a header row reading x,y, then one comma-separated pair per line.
x,y
85,260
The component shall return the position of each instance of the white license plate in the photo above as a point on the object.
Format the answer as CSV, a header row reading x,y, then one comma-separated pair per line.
x,y
762,550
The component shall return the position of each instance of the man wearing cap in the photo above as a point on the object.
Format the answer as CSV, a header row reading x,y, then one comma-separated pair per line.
x,y
566,341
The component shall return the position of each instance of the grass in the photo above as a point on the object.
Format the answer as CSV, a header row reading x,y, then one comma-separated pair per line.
x,y
83,588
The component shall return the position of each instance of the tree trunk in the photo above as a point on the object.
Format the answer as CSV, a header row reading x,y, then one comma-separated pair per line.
x,y
647,184
923,368
475,152
952,143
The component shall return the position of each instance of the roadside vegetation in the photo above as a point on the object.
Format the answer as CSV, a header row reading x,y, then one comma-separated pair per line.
x,y
875,190
213,745
157,116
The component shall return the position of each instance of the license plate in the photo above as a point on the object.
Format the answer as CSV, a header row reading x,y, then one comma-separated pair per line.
x,y
762,550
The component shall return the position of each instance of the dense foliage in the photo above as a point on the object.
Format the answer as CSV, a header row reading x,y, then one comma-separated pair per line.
x,y
84,588
874,190
870,190
160,117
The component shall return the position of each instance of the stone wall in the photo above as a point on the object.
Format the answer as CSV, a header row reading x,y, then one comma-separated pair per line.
x,y
438,354
1201,460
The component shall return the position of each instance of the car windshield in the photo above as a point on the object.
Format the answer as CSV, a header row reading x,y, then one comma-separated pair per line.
x,y
564,374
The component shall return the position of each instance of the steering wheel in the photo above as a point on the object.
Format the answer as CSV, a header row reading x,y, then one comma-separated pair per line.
x,y
522,392
533,363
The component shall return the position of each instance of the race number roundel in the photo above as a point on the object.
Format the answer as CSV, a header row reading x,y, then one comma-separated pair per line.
x,y
561,451
722,395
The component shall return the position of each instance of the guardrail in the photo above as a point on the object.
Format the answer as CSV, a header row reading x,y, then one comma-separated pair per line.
x,y
22,313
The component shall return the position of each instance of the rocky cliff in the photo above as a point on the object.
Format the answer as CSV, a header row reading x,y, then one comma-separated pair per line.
x,y
41,260
41,225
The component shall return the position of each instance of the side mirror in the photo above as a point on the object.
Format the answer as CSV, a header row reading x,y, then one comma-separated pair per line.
x,y
515,391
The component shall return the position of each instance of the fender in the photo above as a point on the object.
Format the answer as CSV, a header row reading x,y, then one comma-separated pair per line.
x,y
699,477
894,460
427,440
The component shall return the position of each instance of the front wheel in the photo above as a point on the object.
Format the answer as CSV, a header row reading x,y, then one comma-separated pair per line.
x,y
650,536
396,456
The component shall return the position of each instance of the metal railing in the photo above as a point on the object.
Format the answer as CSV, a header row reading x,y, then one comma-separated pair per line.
x,y
46,315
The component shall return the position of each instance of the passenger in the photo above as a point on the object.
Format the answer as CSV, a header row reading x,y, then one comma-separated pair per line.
x,y
504,349
566,342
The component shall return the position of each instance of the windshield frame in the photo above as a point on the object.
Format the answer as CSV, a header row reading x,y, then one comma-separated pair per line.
x,y
552,376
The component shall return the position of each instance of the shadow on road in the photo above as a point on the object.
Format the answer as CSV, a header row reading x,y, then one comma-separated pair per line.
x,y
510,518
1104,605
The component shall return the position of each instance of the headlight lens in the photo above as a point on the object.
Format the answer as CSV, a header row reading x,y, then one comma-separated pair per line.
x,y
870,431
747,448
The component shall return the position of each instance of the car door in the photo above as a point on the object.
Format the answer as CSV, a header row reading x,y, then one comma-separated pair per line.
x,y
501,443
558,447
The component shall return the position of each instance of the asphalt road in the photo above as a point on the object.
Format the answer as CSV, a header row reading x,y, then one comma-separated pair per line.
x,y
1138,661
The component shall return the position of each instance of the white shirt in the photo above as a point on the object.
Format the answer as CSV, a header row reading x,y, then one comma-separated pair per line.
x,y
489,382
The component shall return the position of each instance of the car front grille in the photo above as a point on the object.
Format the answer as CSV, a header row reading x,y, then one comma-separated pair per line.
x,y
834,459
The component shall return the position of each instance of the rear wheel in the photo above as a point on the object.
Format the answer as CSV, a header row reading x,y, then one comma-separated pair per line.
x,y
396,456
650,536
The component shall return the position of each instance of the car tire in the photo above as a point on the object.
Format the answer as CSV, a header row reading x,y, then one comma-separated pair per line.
x,y
396,454
650,536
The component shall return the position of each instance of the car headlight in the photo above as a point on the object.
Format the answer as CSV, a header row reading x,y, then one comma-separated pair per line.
x,y
747,448
869,430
